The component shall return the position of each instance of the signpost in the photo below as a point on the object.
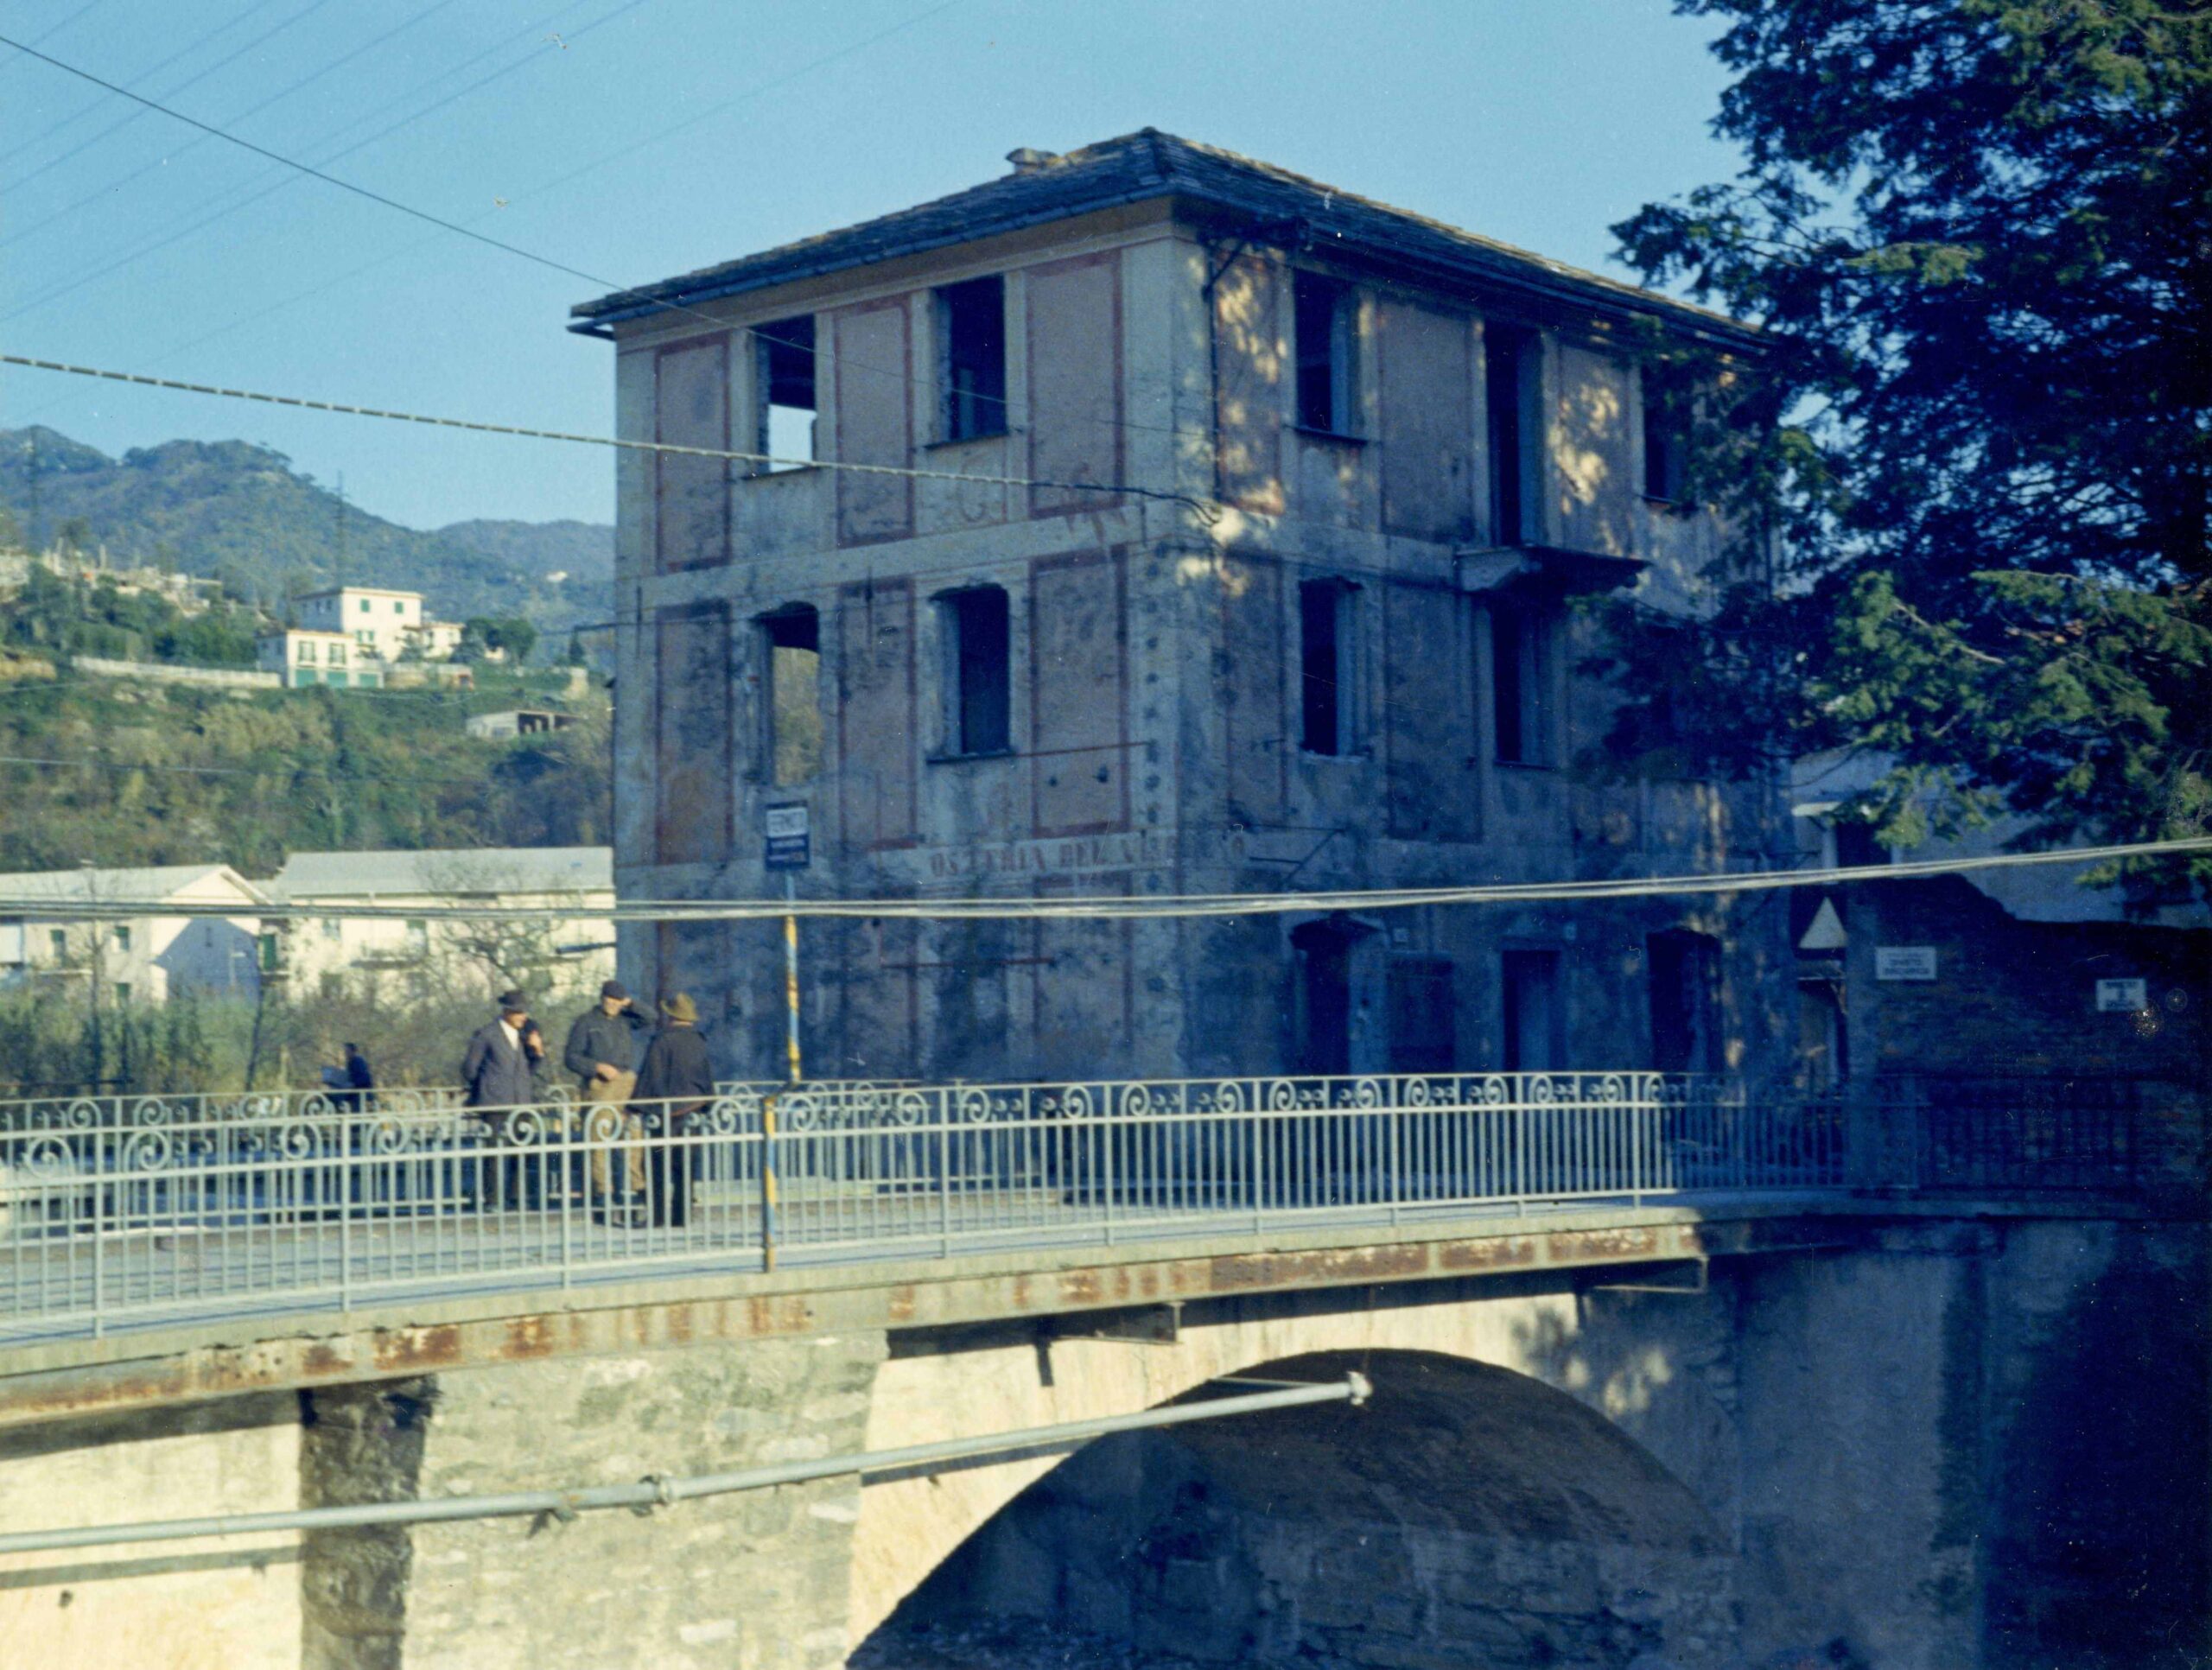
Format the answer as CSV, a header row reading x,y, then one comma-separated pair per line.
x,y
787,846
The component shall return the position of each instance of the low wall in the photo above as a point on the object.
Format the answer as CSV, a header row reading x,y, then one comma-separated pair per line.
x,y
235,678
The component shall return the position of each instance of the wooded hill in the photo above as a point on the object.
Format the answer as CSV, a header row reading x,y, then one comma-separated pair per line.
x,y
240,513
159,774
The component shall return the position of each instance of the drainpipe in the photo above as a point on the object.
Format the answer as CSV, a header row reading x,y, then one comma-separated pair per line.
x,y
662,1492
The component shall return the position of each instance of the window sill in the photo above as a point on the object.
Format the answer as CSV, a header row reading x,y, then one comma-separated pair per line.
x,y
966,759
783,470
1347,756
1526,764
963,439
1333,436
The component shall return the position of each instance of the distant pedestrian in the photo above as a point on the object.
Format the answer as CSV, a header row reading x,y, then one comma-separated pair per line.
x,y
498,1076
362,1079
675,1083
602,1052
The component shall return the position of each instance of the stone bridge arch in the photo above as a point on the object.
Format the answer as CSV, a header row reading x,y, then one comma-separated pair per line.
x,y
1652,1373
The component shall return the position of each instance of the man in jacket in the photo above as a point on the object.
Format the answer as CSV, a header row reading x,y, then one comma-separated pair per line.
x,y
675,1084
498,1074
602,1053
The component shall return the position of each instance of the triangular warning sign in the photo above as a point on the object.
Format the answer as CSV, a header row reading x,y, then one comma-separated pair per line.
x,y
1825,933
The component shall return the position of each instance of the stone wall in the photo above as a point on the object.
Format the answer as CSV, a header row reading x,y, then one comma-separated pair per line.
x,y
757,1578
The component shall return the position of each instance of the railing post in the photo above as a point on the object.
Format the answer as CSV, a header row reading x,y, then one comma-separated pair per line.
x,y
100,1233
944,1177
345,1215
767,1181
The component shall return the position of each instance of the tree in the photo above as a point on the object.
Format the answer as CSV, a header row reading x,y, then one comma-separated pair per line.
x,y
1976,452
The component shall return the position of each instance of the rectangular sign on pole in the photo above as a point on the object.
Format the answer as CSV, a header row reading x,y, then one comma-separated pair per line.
x,y
788,845
1904,962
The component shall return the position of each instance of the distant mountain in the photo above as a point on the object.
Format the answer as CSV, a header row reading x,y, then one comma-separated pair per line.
x,y
242,514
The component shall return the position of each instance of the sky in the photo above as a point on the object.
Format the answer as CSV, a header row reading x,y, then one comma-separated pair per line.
x,y
631,139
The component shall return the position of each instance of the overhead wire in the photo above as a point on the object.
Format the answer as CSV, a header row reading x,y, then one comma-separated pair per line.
x,y
1117,906
467,230
21,180
274,179
618,442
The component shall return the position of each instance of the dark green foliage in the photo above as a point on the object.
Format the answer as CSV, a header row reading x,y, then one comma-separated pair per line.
x,y
1975,233
59,617
513,635
286,770
240,513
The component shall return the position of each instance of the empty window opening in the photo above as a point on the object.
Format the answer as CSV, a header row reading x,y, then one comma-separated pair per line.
x,y
785,374
1823,1040
1856,848
1519,671
792,640
1532,1019
1327,320
1665,447
978,659
1508,399
1325,680
1685,971
971,357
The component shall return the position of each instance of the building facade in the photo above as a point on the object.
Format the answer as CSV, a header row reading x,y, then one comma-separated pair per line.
x,y
1259,537
141,959
299,657
400,958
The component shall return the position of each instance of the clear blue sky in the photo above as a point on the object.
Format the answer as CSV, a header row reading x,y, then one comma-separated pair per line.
x,y
1537,121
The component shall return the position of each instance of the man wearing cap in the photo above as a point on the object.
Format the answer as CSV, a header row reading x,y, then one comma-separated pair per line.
x,y
499,1075
602,1053
676,1082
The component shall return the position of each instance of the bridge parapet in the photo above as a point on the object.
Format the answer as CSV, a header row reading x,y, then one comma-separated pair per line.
x,y
330,1207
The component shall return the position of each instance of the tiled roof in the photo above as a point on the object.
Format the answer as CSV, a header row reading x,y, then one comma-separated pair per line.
x,y
1150,164
162,881
463,870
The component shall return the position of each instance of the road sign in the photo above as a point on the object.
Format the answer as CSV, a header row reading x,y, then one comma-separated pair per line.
x,y
2123,997
787,845
1904,962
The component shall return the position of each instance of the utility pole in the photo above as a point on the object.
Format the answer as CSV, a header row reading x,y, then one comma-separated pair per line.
x,y
338,578
30,446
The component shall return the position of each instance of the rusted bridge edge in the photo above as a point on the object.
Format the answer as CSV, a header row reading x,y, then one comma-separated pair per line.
x,y
80,1378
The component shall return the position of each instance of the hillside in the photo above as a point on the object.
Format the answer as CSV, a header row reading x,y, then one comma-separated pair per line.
x,y
239,513
178,776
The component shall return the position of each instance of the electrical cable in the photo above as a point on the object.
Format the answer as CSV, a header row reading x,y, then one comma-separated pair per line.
x,y
524,433
283,176
1115,906
21,180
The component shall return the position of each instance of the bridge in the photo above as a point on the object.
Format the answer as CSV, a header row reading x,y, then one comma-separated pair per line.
x,y
1659,1367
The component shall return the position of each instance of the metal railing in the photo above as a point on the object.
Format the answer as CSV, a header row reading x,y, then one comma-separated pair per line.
x,y
204,1213
140,1110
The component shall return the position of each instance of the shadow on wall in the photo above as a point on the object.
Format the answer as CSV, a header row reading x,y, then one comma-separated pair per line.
x,y
1466,1514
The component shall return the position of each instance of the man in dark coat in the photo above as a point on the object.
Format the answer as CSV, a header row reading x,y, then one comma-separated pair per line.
x,y
499,1073
675,1084
602,1053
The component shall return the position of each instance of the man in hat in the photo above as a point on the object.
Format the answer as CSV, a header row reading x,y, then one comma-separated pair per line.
x,y
498,1074
602,1052
675,1084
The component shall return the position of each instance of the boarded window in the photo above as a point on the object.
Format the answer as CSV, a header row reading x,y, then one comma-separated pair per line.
x,y
978,683
692,409
784,378
1326,318
971,359
1420,1014
1521,684
694,742
1663,449
1532,1019
792,647
1325,673
1509,389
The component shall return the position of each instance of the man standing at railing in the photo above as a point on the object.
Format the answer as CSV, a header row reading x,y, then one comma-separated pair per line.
x,y
499,1073
602,1053
676,1082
